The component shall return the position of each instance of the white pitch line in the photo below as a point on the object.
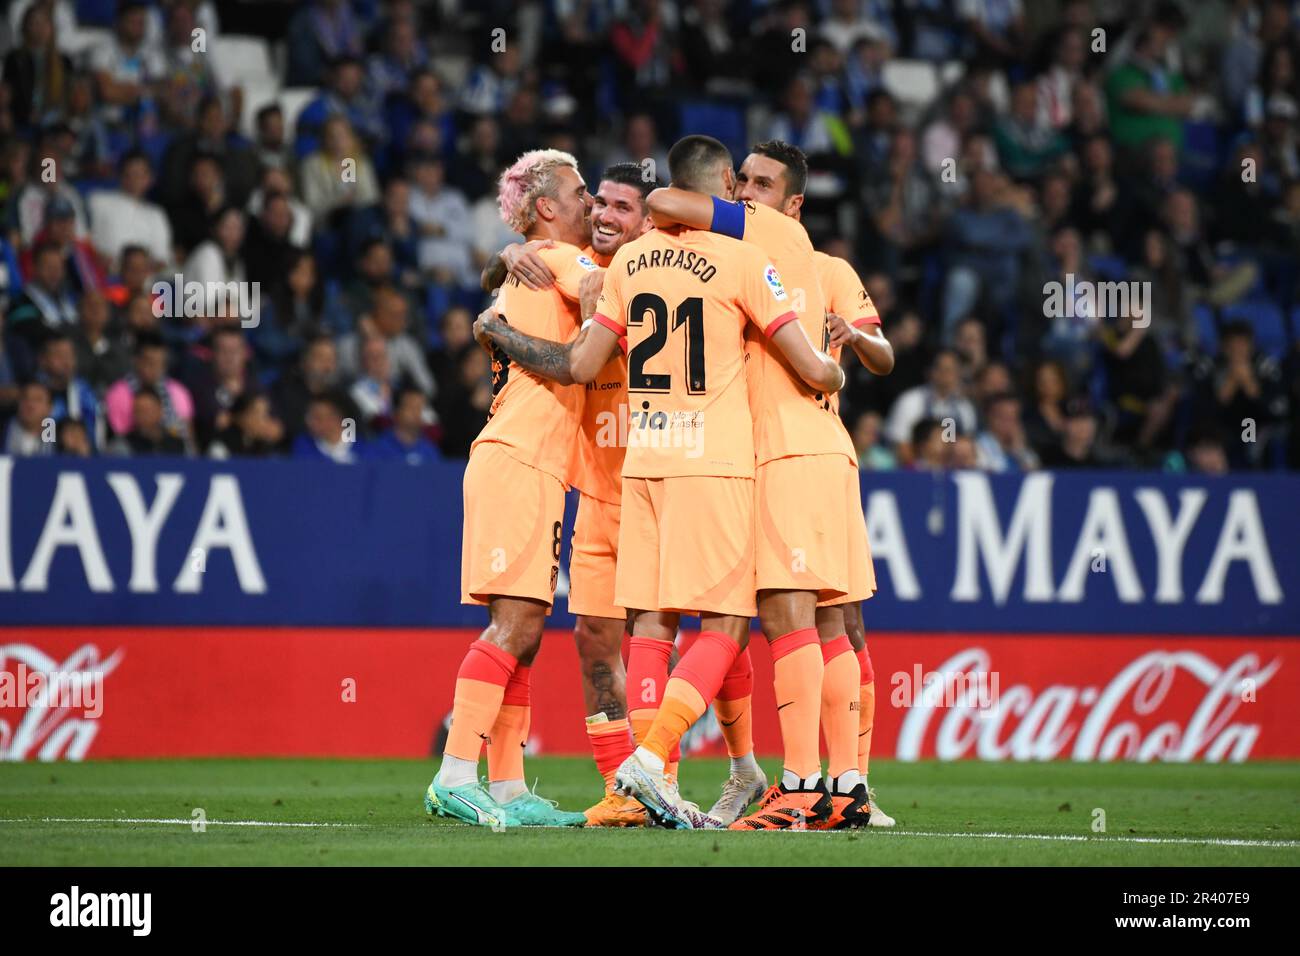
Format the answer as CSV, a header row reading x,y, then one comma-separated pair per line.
x,y
1072,838
180,821
1050,837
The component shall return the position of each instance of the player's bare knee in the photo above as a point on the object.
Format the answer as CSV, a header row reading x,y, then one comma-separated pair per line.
x,y
830,623
854,626
598,639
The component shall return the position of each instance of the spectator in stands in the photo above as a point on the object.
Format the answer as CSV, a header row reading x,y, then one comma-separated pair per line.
x,y
387,321
998,28
903,207
970,342
149,433
149,373
1077,444
217,382
213,135
345,96
1095,206
320,32
1241,390
191,218
406,440
70,395
250,431
389,222
339,177
316,373
50,182
102,358
986,237
189,76
372,391
277,181
815,131
1002,447
1206,454
218,259
127,67
992,379
327,437
925,449
940,399
873,454
476,168
272,147
1027,142
30,433
390,71
1218,283
1045,417
442,216
123,216
1140,387
1145,98
71,439
1054,89
89,155
463,407
46,305
80,264
37,74
269,247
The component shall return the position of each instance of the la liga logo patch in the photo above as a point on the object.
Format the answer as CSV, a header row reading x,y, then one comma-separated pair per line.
x,y
587,264
773,279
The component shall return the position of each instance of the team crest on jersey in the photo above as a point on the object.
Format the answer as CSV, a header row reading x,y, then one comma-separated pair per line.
x,y
773,279
587,264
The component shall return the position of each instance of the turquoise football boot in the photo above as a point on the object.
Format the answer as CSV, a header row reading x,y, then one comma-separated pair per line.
x,y
534,811
469,803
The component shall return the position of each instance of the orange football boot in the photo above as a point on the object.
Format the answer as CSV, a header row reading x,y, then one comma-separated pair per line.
x,y
782,809
616,810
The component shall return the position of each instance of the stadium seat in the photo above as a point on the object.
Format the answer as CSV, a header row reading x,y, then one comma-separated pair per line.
x,y
96,13
292,99
1266,319
914,83
1207,328
1109,268
244,59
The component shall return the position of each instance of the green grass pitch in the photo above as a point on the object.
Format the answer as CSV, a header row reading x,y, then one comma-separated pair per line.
x,y
368,812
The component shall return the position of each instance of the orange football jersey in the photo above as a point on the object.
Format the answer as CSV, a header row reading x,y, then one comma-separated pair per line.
x,y
537,420
598,470
680,301
847,298
789,417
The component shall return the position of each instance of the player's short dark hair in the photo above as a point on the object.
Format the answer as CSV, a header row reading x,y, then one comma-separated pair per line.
x,y
631,174
792,158
693,160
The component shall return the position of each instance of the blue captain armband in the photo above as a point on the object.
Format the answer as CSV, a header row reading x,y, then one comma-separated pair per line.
x,y
728,218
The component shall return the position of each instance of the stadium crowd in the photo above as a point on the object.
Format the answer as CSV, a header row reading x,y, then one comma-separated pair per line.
x,y
965,154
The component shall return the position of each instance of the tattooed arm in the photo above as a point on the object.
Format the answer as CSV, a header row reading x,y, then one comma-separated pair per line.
x,y
539,356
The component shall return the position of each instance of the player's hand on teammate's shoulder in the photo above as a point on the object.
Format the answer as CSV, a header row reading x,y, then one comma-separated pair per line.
x,y
589,291
523,262
841,333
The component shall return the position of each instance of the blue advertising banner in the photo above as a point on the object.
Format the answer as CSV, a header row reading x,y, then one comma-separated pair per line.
x,y
175,542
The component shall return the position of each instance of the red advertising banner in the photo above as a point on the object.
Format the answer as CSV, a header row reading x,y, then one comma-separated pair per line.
x,y
76,693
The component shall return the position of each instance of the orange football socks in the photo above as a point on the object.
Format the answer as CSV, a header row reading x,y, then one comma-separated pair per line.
x,y
798,667
611,744
694,683
839,706
505,749
867,715
734,706
480,686
647,675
